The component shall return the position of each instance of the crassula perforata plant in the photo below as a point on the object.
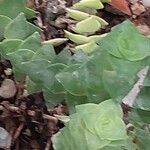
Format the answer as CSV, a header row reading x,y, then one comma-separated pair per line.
x,y
87,24
108,72
94,127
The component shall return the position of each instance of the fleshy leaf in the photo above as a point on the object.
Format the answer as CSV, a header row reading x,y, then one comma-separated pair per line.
x,y
86,127
94,4
19,28
77,15
71,81
142,101
14,8
57,41
76,38
126,42
46,51
20,56
4,20
32,67
32,42
9,46
52,99
32,87
140,116
88,47
87,26
143,138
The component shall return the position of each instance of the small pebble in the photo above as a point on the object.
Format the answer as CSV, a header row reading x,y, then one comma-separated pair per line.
x,y
146,3
8,71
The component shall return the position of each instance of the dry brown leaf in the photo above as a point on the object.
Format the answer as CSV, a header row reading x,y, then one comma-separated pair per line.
x,y
121,5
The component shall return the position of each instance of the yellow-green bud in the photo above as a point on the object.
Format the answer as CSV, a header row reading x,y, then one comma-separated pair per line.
x,y
76,38
77,15
87,26
57,41
88,47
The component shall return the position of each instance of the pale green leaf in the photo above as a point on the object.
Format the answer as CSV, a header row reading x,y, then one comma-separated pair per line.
x,y
87,26
84,129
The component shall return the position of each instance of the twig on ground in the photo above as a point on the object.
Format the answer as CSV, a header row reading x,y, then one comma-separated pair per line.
x,y
131,96
18,132
48,144
29,112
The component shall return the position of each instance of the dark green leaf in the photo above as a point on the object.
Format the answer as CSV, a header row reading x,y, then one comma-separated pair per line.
x,y
4,20
143,138
33,42
19,28
9,46
139,116
143,100
13,8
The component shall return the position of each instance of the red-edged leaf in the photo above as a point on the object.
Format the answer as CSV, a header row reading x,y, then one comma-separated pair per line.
x,y
121,5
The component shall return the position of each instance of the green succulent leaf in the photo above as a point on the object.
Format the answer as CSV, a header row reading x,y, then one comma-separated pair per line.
x,y
87,26
32,42
32,67
82,8
63,57
126,42
142,101
147,80
76,38
94,4
30,13
46,51
72,81
77,15
32,87
15,7
51,98
88,47
92,126
140,116
97,38
143,138
9,46
101,21
20,56
4,20
57,41
105,1
19,28
17,58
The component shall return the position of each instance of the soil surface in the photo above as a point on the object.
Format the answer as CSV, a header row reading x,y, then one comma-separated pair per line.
x,y
29,122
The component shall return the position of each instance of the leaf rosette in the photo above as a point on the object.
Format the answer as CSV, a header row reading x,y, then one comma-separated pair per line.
x,y
94,127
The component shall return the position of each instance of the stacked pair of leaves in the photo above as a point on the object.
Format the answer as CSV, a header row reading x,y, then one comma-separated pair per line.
x,y
94,127
88,23
105,73
9,11
80,78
